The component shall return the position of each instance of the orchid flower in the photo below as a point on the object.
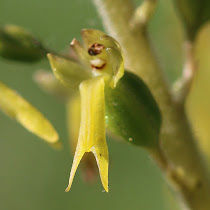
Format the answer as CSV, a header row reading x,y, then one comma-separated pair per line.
x,y
100,63
99,95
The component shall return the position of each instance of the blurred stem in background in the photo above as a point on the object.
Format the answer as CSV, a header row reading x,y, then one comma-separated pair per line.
x,y
182,164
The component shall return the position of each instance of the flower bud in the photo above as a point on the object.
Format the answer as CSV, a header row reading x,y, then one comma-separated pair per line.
x,y
18,44
194,14
132,113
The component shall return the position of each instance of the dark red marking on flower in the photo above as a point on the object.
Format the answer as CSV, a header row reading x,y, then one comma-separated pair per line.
x,y
98,67
95,49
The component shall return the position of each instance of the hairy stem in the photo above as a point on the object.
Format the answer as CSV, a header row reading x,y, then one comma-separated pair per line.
x,y
185,168
183,85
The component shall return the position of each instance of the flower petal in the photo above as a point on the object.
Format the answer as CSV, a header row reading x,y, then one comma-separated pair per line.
x,y
17,107
92,128
117,63
89,166
81,53
114,60
91,36
70,73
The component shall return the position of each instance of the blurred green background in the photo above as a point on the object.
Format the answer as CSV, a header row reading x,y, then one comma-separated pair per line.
x,y
33,176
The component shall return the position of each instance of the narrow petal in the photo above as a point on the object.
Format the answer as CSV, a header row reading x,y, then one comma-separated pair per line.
x,y
81,53
70,73
116,58
28,116
117,64
92,128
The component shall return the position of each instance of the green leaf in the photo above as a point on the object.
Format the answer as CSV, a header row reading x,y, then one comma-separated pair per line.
x,y
194,14
19,44
29,117
132,113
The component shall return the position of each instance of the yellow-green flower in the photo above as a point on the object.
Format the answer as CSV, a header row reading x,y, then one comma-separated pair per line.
x,y
100,63
89,83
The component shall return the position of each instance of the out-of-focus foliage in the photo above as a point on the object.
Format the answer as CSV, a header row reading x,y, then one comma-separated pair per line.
x,y
16,43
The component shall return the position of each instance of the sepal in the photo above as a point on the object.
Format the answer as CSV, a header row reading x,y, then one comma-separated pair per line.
x,y
70,73
29,117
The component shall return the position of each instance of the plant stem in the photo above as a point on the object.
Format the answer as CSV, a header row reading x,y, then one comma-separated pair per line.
x,y
183,85
143,13
185,168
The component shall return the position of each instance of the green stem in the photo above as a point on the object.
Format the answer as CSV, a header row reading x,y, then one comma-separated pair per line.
x,y
183,85
143,13
185,168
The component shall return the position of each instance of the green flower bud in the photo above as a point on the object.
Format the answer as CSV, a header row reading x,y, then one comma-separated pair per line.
x,y
194,14
132,113
18,44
